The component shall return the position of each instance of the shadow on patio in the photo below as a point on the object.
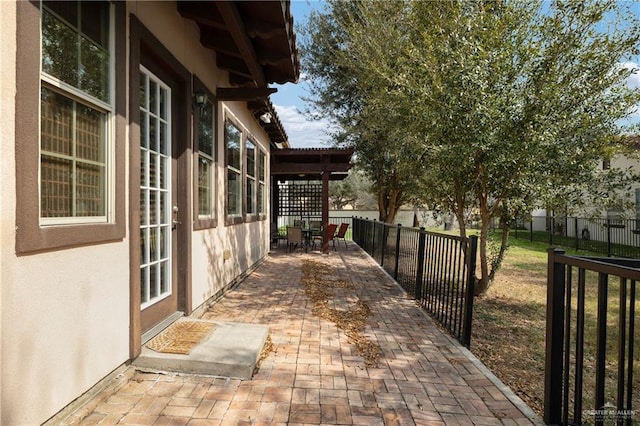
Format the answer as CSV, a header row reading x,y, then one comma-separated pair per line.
x,y
347,347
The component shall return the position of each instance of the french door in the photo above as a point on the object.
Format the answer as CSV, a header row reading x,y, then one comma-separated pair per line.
x,y
157,289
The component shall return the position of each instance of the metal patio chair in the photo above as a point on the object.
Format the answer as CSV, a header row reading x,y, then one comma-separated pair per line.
x,y
341,234
294,237
331,230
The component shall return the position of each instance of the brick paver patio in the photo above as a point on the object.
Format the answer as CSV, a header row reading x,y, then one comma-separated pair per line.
x,y
314,374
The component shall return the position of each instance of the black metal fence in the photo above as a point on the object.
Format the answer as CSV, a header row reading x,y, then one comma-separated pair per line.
x,y
591,358
613,237
437,269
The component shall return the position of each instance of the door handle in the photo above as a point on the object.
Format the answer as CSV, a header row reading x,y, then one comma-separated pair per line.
x,y
175,221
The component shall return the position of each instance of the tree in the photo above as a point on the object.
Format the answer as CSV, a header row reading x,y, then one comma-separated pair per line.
x,y
355,190
355,98
503,105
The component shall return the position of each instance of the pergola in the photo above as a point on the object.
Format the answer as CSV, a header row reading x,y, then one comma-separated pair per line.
x,y
309,164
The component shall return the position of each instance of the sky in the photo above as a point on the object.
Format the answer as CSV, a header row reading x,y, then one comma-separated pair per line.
x,y
288,100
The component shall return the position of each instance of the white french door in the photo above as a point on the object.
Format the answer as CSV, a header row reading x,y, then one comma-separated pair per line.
x,y
155,190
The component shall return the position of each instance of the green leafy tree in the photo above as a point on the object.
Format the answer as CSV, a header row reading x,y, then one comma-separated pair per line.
x,y
355,191
493,107
357,99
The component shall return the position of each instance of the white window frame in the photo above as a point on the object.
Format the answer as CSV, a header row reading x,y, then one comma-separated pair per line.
x,y
230,168
212,170
262,183
253,202
56,85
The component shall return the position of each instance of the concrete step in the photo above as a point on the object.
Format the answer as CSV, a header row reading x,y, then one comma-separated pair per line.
x,y
231,350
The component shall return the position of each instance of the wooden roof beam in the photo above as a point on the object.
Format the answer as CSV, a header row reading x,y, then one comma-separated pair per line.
x,y
232,18
244,93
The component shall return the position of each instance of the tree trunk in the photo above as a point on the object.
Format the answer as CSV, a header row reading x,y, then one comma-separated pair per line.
x,y
482,285
388,204
497,262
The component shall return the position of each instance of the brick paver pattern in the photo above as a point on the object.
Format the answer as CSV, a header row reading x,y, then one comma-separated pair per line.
x,y
313,374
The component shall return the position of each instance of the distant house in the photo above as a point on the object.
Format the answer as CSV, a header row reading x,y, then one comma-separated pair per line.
x,y
135,140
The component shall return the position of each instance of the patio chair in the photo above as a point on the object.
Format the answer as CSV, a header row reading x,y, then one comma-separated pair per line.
x,y
341,234
294,237
276,236
331,230
316,227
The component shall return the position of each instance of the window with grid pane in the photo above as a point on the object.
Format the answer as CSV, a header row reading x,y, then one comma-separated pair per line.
x,y
206,160
233,137
75,110
262,161
251,177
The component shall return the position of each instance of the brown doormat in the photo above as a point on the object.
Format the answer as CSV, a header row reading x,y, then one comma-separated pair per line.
x,y
180,337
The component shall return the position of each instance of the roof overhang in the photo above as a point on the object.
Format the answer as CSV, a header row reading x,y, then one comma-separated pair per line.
x,y
311,163
255,43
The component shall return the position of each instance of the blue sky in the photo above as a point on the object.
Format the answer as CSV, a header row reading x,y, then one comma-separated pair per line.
x,y
288,100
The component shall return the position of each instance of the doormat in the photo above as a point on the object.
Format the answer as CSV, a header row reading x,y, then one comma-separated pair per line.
x,y
180,337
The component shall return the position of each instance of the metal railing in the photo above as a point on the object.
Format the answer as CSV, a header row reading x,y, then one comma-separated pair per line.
x,y
590,342
613,237
284,221
438,270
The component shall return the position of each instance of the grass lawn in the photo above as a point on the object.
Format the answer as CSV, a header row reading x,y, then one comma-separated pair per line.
x,y
509,328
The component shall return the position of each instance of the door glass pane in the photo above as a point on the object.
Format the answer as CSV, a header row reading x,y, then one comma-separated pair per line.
x,y
155,198
153,281
153,97
144,285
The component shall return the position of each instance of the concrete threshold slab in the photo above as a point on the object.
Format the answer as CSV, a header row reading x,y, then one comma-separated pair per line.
x,y
231,350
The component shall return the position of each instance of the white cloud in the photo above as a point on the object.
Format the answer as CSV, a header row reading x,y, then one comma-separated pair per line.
x,y
303,133
633,80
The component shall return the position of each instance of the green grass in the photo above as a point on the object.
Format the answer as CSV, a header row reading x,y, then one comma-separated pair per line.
x,y
510,320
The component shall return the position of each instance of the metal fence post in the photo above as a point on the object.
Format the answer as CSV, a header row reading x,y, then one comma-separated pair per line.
x,y
373,238
531,229
553,372
397,265
608,237
472,250
417,293
383,245
575,221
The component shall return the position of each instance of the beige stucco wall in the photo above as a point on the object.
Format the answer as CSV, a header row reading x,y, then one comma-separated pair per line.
x,y
64,314
223,253
7,132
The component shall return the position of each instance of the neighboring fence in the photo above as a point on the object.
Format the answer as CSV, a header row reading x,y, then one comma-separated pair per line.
x,y
437,269
591,339
613,237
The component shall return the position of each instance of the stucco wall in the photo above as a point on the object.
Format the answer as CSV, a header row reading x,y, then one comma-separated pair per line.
x,y
7,132
64,314
221,254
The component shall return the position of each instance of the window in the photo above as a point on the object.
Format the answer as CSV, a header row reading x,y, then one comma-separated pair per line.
x,y
206,161
251,177
75,113
262,187
233,139
71,146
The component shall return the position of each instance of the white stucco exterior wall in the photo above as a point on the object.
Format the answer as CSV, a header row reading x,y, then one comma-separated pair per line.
x,y
65,314
7,136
